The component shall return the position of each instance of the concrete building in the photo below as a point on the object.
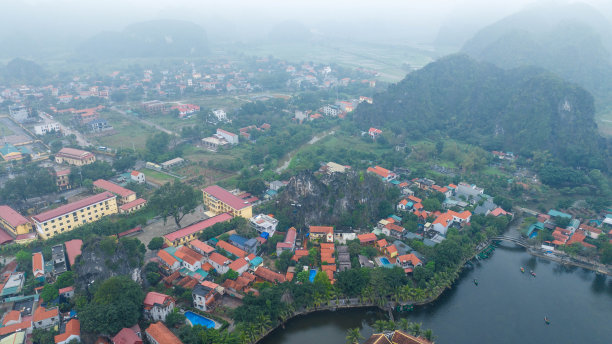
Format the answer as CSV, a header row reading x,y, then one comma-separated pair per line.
x,y
132,206
45,318
13,222
72,332
264,223
67,217
124,195
73,156
62,179
189,233
202,297
138,177
231,138
45,128
219,200
157,306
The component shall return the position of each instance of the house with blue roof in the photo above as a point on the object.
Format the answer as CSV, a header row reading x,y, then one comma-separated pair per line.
x,y
556,213
248,245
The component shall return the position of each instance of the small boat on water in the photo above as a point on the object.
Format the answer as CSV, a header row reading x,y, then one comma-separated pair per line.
x,y
547,320
475,281
533,274
522,269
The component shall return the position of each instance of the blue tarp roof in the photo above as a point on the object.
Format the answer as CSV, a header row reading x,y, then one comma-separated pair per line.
x,y
256,261
554,213
237,239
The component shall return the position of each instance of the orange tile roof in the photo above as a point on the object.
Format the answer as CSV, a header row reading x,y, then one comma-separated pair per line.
x,y
415,199
202,246
188,255
166,258
391,249
41,313
73,328
414,260
11,216
238,264
15,327
368,237
161,334
322,229
382,243
73,249
218,258
329,267
132,204
37,264
154,298
11,316
231,249
269,275
381,171
70,207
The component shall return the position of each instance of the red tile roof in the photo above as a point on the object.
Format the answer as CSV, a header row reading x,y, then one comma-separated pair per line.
x,y
226,197
197,227
368,237
154,298
127,336
269,275
65,290
322,229
5,237
231,249
73,249
15,327
73,328
132,204
70,207
74,153
381,171
161,334
382,243
188,255
112,187
414,260
415,199
11,216
37,264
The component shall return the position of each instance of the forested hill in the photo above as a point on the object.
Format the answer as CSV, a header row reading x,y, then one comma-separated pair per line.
x,y
520,110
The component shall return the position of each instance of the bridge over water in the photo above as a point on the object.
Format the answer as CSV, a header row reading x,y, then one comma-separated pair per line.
x,y
518,241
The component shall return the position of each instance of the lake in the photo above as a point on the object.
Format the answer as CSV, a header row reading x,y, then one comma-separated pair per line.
x,y
507,306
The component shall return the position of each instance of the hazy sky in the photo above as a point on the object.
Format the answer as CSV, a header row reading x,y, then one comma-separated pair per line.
x,y
411,20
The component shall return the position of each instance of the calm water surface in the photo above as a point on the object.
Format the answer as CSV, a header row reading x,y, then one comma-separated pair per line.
x,y
506,307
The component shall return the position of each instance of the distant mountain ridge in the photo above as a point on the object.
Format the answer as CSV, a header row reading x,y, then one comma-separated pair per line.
x,y
520,110
573,41
157,38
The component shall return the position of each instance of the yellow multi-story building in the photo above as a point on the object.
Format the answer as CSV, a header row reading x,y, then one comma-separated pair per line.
x,y
75,214
13,222
218,200
126,195
73,156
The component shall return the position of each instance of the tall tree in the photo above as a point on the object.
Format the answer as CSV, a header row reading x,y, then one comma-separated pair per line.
x,y
174,200
353,336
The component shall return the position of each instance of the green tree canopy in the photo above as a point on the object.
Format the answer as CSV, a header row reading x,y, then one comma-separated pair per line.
x,y
174,200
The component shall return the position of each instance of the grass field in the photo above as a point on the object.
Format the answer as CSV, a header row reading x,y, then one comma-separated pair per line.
x,y
386,59
5,130
128,133
157,177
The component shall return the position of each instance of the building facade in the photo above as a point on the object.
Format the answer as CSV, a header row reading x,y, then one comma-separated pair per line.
x,y
219,200
75,214
13,222
73,156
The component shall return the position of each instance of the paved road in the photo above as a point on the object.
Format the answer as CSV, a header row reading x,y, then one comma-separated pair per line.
x,y
80,138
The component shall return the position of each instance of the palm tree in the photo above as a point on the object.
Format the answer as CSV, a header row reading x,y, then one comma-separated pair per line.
x,y
416,329
403,324
380,325
428,334
353,336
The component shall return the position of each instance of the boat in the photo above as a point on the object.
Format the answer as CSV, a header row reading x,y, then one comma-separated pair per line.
x,y
547,320
475,281
522,269
533,274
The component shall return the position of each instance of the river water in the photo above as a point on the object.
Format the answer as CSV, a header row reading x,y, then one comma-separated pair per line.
x,y
506,307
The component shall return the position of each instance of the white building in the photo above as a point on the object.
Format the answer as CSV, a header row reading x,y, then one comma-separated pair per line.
x,y
42,129
330,110
220,114
138,177
157,306
231,138
264,223
219,262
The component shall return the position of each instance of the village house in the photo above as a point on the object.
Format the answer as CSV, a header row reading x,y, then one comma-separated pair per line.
x,y
73,156
201,247
444,221
158,333
62,179
247,245
66,293
265,274
323,233
191,260
385,174
73,250
38,266
288,244
219,262
127,336
71,333
367,239
219,200
157,306
374,133
45,318
408,262
231,249
168,261
239,265
42,129
231,138
138,177
67,217
202,296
